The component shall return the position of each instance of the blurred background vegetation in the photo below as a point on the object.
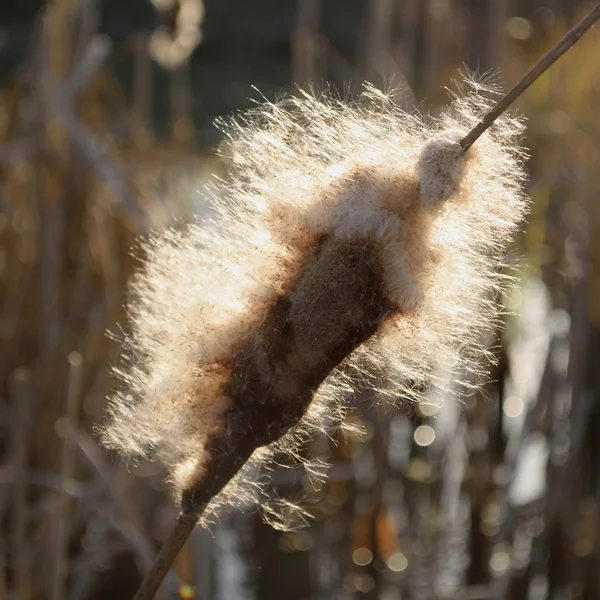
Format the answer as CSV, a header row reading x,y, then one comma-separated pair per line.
x,y
106,131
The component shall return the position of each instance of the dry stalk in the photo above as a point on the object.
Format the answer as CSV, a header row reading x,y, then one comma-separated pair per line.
x,y
67,475
538,69
3,586
186,522
306,48
21,397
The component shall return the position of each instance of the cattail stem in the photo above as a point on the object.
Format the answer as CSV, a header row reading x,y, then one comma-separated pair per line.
x,y
538,69
168,553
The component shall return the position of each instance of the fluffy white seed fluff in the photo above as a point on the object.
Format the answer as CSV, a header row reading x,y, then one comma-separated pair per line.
x,y
302,169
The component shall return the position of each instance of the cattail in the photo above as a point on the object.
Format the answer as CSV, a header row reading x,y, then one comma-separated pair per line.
x,y
349,242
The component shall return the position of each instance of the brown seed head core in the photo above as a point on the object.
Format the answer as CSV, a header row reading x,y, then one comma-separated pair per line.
x,y
335,305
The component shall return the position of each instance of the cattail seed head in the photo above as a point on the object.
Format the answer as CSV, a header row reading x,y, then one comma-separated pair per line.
x,y
347,240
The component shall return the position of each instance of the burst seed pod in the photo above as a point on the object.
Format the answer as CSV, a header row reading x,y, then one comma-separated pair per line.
x,y
347,240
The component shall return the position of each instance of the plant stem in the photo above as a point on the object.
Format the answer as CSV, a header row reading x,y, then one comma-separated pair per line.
x,y
538,69
67,469
186,521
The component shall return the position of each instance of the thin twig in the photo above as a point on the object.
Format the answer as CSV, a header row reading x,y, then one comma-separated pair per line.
x,y
538,69
378,36
21,396
97,51
143,83
168,553
44,480
305,46
128,523
3,588
61,534
182,125
62,105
